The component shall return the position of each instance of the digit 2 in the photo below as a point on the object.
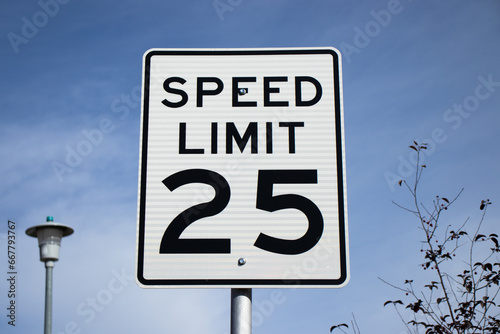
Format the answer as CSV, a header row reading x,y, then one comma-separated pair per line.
x,y
171,242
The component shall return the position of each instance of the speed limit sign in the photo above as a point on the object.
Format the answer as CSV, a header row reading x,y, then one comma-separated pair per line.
x,y
242,170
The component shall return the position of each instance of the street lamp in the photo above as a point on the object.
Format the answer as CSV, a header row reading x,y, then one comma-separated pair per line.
x,y
49,240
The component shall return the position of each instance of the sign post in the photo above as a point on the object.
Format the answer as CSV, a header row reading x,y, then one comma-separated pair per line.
x,y
242,170
241,311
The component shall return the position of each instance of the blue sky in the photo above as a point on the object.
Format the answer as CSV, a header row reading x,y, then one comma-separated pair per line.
x,y
427,72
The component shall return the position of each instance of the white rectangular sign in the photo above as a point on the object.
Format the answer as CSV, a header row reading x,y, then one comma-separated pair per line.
x,y
242,172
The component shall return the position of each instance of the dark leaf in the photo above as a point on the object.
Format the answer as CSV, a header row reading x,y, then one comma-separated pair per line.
x,y
447,255
413,147
393,302
415,307
399,182
484,203
338,326
495,240
431,286
479,236
445,199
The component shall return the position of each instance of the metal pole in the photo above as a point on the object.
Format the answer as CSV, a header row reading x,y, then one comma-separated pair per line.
x,y
241,311
49,266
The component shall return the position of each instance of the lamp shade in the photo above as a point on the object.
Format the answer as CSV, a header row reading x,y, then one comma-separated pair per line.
x,y
49,238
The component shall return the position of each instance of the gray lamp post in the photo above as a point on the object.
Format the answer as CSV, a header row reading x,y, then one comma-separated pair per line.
x,y
49,240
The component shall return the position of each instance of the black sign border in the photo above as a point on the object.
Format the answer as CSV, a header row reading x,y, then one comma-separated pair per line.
x,y
242,283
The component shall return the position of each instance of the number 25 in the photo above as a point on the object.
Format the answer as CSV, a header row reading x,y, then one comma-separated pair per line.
x,y
172,243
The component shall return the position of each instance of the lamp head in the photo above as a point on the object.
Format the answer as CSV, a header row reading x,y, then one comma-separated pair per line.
x,y
49,238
